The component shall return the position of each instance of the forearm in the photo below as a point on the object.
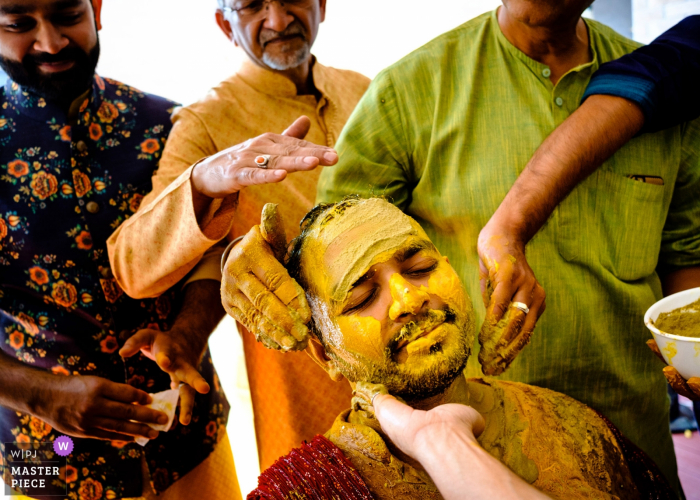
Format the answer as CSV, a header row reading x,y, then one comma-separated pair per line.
x,y
461,468
19,385
163,241
681,279
571,153
201,312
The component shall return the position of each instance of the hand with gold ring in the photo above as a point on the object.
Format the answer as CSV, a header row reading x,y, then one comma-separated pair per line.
x,y
513,298
265,159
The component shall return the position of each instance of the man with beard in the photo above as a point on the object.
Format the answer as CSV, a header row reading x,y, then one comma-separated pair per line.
x,y
445,133
77,155
196,203
388,309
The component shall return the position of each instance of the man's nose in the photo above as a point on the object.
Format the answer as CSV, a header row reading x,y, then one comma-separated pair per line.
x,y
408,299
49,39
278,18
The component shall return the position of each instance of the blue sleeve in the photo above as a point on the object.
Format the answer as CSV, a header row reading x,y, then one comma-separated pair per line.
x,y
663,78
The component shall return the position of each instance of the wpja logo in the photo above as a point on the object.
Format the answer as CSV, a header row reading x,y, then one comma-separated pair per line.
x,y
35,469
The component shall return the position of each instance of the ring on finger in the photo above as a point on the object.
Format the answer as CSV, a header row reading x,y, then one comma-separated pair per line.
x,y
262,160
521,306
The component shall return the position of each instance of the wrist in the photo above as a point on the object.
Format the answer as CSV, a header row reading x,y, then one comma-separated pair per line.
x,y
39,393
504,226
432,441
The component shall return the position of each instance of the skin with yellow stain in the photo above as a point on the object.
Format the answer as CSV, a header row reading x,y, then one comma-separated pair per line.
x,y
406,296
553,442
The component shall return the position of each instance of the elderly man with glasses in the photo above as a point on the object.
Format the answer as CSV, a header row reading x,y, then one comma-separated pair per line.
x,y
194,204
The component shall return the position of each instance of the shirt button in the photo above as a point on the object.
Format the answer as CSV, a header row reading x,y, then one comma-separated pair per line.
x,y
558,100
93,207
546,72
82,147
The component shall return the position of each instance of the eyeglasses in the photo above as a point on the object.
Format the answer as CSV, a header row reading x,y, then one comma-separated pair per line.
x,y
253,10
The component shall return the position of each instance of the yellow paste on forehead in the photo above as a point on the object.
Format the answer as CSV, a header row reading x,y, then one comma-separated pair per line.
x,y
351,241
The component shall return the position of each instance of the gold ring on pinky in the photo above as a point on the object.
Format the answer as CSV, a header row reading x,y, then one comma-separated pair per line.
x,y
262,160
521,306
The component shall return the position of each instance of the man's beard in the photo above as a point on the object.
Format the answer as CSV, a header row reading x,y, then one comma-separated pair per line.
x,y
64,86
404,382
287,59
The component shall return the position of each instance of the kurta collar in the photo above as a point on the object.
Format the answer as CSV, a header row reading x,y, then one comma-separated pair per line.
x,y
35,107
538,67
276,85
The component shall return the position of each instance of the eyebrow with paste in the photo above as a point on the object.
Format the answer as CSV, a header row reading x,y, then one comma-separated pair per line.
x,y
400,256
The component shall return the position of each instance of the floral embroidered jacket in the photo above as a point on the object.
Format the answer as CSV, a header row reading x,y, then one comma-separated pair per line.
x,y
63,189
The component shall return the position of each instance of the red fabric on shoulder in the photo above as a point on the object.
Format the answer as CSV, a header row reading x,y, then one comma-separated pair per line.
x,y
315,471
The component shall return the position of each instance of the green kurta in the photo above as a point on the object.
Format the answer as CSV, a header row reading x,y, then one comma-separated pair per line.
x,y
445,132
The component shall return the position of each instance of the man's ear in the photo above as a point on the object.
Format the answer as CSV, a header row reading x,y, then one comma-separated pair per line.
x,y
318,354
225,25
323,10
97,9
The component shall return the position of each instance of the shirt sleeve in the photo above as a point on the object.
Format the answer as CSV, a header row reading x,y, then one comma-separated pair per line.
x,y
156,247
662,78
372,150
680,244
209,268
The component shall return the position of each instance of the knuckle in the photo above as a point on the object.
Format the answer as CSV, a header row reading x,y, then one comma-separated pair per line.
x,y
130,412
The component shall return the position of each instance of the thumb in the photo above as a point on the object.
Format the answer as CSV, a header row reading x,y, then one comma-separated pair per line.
x,y
140,340
299,128
392,414
272,229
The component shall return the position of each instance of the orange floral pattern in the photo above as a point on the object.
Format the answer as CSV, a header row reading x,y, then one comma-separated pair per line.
x,y
95,131
84,240
38,275
150,146
18,168
44,185
28,323
82,183
109,344
63,190
90,490
16,340
59,370
64,133
64,294
108,112
111,289
135,202
39,428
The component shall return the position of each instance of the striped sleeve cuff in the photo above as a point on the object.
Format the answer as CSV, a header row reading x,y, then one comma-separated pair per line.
x,y
638,90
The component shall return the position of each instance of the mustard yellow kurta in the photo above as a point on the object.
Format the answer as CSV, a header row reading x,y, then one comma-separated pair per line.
x,y
293,399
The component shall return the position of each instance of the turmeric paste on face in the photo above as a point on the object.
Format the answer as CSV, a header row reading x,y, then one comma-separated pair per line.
x,y
684,321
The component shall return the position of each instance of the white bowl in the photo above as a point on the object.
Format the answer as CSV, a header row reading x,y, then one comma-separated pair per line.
x,y
683,353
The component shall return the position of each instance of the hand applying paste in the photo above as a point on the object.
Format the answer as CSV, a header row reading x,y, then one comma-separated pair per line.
x,y
259,293
506,279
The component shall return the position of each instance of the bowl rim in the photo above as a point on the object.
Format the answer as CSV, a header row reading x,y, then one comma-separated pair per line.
x,y
650,326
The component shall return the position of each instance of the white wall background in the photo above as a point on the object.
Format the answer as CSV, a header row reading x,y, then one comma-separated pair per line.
x,y
174,48
650,18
